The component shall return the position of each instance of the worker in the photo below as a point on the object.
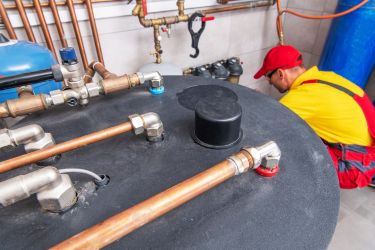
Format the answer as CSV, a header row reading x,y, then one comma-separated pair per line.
x,y
338,111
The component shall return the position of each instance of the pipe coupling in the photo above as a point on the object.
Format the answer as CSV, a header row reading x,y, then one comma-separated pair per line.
x,y
149,123
267,155
240,162
32,137
155,78
55,191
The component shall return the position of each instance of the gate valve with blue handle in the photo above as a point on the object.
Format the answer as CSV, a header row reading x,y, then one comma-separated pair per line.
x,y
195,36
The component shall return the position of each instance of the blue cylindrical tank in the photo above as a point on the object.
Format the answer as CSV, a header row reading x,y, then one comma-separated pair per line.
x,y
17,57
350,45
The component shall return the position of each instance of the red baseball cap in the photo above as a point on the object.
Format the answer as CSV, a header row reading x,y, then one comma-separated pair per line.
x,y
280,57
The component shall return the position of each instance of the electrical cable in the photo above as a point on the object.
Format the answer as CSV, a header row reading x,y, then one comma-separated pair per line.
x,y
80,170
279,26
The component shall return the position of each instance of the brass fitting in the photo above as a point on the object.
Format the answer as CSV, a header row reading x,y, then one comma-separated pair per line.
x,y
23,106
149,122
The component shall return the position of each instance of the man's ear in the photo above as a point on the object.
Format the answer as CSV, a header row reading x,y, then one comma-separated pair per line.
x,y
280,73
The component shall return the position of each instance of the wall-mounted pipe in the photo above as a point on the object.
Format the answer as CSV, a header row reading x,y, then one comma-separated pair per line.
x,y
55,191
157,22
137,123
32,137
94,30
58,23
135,217
250,5
25,20
6,21
77,32
44,27
61,3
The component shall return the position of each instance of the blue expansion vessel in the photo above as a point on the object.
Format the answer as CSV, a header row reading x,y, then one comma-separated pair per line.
x,y
17,57
350,45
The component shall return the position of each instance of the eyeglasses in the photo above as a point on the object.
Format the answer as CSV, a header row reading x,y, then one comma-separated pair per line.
x,y
269,74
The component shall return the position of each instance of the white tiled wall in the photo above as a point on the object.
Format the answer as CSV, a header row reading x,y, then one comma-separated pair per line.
x,y
248,34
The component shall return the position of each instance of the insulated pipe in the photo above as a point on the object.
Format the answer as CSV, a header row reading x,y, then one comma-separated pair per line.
x,y
77,32
25,20
6,21
58,23
44,26
122,224
79,142
53,73
94,30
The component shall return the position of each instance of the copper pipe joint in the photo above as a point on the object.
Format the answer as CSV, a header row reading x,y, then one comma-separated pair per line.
x,y
64,147
100,69
135,217
250,5
119,83
6,21
23,106
25,20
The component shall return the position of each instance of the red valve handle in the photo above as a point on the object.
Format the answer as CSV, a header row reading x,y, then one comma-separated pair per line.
x,y
164,29
144,6
208,18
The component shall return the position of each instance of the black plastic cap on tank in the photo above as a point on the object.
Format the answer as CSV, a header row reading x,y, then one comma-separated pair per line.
x,y
217,123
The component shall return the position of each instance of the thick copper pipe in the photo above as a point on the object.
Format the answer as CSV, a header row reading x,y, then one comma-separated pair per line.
x,y
44,26
135,217
100,69
261,3
58,23
25,21
62,3
6,21
77,32
94,30
64,147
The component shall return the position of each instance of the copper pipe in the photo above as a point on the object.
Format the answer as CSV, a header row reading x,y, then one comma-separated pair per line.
x,y
67,146
77,32
23,106
25,20
62,3
44,27
6,21
100,69
261,3
135,217
58,23
94,30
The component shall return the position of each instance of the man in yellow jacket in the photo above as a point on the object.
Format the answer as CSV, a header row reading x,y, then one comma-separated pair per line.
x,y
335,108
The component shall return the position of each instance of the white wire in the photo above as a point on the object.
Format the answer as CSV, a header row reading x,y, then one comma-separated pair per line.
x,y
80,170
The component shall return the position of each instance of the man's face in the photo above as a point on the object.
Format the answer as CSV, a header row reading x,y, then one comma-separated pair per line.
x,y
277,79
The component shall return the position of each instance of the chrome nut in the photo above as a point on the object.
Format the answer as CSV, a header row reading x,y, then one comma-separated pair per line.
x,y
137,123
76,84
44,142
156,130
270,162
157,83
93,89
6,142
57,97
60,197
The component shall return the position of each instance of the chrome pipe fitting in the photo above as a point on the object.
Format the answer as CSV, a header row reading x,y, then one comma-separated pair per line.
x,y
32,137
149,122
55,191
267,155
